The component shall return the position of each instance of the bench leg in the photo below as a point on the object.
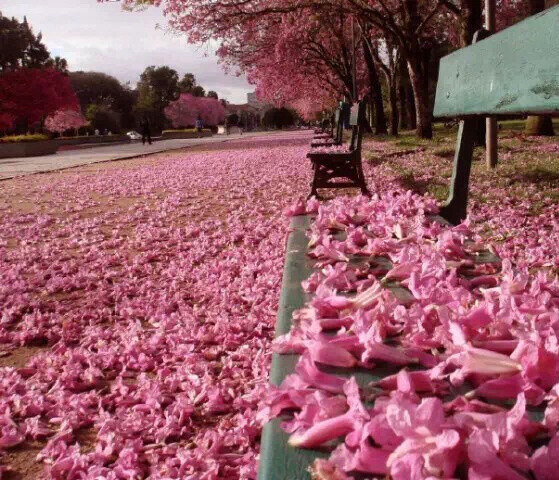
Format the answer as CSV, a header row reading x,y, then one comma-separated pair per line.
x,y
455,208
314,191
361,181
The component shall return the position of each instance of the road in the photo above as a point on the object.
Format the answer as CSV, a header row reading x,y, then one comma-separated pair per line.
x,y
16,167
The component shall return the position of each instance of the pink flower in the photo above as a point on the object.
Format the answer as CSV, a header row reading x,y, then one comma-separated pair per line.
x,y
335,427
422,428
545,460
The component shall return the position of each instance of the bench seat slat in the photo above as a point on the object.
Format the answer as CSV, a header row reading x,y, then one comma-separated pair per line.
x,y
279,461
515,71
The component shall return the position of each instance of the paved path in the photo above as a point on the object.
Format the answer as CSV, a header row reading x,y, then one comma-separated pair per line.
x,y
16,167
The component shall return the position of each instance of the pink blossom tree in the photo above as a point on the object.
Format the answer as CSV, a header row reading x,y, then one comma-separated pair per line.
x,y
63,120
184,111
261,29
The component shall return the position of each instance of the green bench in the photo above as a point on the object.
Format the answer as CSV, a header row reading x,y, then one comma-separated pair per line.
x,y
341,169
339,129
480,80
513,72
278,460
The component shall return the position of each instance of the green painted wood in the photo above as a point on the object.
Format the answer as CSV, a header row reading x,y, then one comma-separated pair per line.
x,y
454,210
515,71
279,461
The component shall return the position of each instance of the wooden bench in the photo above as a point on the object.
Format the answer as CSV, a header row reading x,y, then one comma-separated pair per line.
x,y
515,71
480,80
341,169
279,460
338,137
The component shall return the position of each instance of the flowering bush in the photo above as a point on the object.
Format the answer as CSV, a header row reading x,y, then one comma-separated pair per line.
x,y
23,138
186,109
63,120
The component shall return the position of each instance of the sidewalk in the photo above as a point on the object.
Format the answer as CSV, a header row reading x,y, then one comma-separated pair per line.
x,y
16,167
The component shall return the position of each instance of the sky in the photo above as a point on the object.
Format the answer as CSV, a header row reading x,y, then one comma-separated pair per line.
x,y
102,37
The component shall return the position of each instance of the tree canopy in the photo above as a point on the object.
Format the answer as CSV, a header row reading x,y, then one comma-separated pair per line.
x,y
21,48
184,111
29,95
296,49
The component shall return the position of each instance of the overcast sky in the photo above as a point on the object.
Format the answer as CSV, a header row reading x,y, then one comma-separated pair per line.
x,y
102,37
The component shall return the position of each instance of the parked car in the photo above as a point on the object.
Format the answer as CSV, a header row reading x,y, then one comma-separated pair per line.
x,y
134,135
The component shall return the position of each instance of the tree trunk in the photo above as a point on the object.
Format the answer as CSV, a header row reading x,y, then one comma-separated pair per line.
x,y
470,20
412,52
424,128
410,108
375,91
538,124
394,116
370,110
470,23
403,80
403,107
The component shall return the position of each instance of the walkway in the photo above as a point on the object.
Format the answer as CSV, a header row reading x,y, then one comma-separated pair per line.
x,y
16,167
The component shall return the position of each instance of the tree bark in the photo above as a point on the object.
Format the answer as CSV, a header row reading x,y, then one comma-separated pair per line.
x,y
418,76
424,128
403,80
403,108
410,109
375,91
538,124
470,20
394,116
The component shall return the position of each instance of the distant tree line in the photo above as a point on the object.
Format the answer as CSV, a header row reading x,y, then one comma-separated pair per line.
x,y
106,103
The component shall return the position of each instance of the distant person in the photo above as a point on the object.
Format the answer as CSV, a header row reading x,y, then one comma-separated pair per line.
x,y
97,131
199,125
146,133
227,127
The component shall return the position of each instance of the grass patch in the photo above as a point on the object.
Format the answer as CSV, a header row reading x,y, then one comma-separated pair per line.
x,y
439,191
444,152
520,124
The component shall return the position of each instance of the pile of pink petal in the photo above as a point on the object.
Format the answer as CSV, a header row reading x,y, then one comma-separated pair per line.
x,y
153,291
462,356
330,149
329,141
527,236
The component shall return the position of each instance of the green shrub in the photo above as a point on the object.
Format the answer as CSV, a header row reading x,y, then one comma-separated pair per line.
x,y
23,138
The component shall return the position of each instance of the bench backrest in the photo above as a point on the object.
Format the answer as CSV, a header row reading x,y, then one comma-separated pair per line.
x,y
339,124
356,118
515,71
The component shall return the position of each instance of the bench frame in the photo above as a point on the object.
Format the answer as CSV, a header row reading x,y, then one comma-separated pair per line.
x,y
492,78
339,120
327,166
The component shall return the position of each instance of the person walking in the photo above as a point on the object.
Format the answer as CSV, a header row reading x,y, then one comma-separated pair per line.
x,y
146,133
199,126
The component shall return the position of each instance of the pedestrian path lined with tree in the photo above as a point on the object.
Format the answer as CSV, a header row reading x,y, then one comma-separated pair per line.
x,y
191,315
